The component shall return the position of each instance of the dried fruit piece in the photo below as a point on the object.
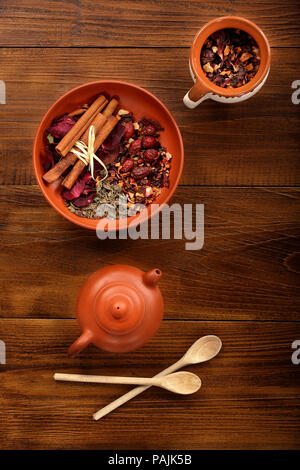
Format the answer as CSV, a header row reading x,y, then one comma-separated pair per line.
x,y
150,129
150,155
135,146
129,130
127,165
140,172
149,142
123,112
208,68
148,191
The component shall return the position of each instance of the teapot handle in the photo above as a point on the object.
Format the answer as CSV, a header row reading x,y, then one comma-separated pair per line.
x,y
84,339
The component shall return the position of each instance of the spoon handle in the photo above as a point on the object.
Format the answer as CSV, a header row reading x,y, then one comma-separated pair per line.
x,y
136,391
105,379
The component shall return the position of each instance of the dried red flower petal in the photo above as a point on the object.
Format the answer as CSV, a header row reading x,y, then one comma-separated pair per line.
x,y
61,125
114,139
78,188
84,201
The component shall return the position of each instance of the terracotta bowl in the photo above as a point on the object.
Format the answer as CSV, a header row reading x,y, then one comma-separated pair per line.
x,y
141,103
203,88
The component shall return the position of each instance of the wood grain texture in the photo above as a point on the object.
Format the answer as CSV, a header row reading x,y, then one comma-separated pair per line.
x,y
248,269
131,22
242,286
251,143
248,399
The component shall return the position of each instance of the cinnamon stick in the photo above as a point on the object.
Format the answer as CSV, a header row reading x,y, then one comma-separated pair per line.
x,y
74,134
77,112
100,138
60,167
110,108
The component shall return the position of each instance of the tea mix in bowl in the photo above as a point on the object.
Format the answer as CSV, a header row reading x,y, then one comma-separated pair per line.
x,y
106,159
230,58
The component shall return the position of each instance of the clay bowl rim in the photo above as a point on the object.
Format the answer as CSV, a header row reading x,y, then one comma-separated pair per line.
x,y
235,22
121,224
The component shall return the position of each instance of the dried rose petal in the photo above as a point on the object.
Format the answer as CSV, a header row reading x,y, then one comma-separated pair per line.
x,y
84,201
60,126
113,140
78,188
107,158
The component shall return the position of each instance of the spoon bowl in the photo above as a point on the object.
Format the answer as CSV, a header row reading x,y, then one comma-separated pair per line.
x,y
203,349
183,383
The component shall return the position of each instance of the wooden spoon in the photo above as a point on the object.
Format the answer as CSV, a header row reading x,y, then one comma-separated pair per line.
x,y
202,350
180,382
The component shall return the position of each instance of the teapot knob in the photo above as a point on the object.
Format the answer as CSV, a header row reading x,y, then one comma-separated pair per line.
x,y
152,277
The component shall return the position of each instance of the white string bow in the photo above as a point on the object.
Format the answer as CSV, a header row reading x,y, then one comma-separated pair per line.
x,y
86,153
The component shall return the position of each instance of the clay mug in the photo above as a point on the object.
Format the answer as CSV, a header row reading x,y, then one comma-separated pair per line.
x,y
119,308
203,88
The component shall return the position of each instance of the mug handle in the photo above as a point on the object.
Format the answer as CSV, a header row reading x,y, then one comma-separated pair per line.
x,y
80,343
196,95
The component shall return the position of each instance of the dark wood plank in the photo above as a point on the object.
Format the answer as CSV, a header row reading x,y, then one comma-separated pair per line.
x,y
248,268
249,397
131,23
251,143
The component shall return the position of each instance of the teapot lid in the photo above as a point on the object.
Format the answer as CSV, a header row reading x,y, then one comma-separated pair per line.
x,y
121,307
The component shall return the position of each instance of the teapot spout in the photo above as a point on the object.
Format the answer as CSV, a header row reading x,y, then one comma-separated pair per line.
x,y
80,343
152,277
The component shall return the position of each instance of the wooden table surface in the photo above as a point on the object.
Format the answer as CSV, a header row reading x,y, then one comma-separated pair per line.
x,y
241,161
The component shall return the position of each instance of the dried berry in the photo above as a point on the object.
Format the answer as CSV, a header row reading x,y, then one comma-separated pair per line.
x,y
150,155
140,172
135,146
149,142
150,129
154,126
127,165
129,130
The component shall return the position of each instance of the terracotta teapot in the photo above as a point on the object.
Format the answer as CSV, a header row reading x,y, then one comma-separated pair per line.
x,y
119,308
